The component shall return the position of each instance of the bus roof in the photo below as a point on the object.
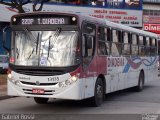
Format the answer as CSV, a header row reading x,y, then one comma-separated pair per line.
x,y
119,26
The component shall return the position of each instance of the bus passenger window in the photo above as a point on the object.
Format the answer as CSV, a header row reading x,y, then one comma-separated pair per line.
x,y
134,45
153,47
126,44
103,43
101,34
102,48
147,49
141,46
141,41
114,36
116,47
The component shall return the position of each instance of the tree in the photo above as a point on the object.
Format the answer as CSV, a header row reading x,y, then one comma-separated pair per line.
x,y
41,6
18,4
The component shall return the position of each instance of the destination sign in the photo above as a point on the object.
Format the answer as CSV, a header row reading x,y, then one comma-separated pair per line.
x,y
44,21
61,20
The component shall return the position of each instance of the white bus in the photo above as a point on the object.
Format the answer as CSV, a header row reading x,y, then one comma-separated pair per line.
x,y
73,56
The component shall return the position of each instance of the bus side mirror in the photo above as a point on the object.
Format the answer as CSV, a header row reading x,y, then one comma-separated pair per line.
x,y
90,43
6,39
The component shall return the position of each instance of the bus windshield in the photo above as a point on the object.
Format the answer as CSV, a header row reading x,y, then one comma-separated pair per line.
x,y
56,48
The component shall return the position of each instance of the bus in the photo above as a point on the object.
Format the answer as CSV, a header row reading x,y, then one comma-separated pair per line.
x,y
74,56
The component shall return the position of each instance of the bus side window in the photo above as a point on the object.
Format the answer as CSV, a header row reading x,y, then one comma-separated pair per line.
x,y
153,47
134,44
141,45
126,50
147,49
116,47
103,43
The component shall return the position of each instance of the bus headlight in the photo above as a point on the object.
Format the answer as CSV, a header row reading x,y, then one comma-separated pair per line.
x,y
11,78
68,82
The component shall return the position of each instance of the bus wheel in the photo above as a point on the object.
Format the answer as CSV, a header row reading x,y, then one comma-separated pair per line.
x,y
39,100
98,93
140,85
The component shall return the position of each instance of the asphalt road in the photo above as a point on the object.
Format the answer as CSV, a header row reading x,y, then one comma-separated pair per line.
x,y
126,104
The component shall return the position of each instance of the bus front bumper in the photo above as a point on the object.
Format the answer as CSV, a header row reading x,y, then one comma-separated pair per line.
x,y
72,91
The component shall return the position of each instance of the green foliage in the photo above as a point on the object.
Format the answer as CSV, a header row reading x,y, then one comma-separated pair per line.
x,y
18,4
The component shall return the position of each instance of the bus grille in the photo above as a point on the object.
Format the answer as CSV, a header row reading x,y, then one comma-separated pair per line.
x,y
39,72
32,83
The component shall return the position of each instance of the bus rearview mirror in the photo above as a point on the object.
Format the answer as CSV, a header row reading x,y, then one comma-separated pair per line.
x,y
89,43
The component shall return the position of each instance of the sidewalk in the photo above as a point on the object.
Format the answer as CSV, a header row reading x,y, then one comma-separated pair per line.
x,y
3,86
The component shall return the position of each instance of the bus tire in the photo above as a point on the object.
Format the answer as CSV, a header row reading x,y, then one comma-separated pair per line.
x,y
39,100
97,100
140,85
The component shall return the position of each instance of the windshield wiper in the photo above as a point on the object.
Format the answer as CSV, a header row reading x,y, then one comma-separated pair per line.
x,y
49,46
31,54
17,51
32,37
56,34
37,43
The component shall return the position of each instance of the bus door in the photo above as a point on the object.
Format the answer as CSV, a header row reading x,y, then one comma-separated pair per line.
x,y
89,61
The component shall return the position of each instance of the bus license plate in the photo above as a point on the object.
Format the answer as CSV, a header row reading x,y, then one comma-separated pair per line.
x,y
38,91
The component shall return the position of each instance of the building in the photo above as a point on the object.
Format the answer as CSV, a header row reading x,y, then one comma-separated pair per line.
x,y
151,16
